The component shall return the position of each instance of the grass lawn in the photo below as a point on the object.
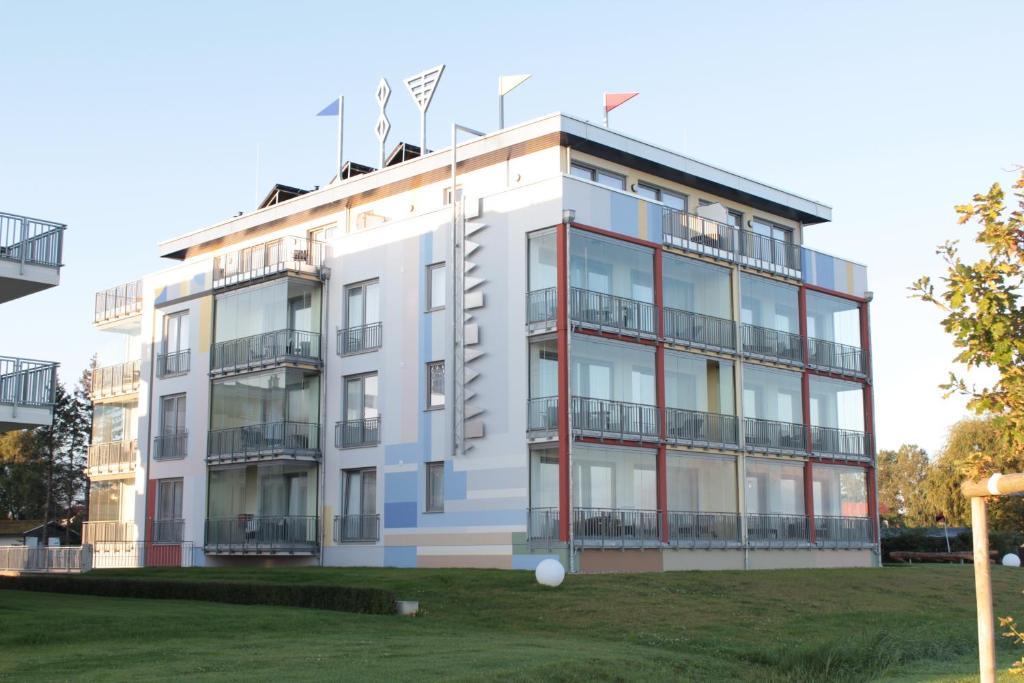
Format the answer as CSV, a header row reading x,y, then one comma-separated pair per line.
x,y
907,623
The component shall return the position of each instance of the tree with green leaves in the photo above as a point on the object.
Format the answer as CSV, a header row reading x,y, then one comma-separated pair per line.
x,y
901,477
985,316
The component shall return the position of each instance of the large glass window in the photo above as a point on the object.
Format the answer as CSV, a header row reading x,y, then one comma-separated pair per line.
x,y
361,397
278,396
543,257
837,404
759,226
698,287
774,487
770,304
598,175
435,385
108,499
612,371
701,483
699,383
176,332
543,369
840,491
614,478
265,490
544,478
833,319
360,492
435,487
108,422
770,394
436,276
172,415
610,266
279,305
169,499
362,304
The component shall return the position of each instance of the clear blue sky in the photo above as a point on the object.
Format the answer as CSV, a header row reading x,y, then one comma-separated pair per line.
x,y
133,122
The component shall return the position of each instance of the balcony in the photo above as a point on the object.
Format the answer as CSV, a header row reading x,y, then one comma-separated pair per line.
x,y
360,339
776,437
699,330
842,444
26,393
703,529
843,532
840,359
107,533
357,528
266,350
770,344
279,257
112,457
696,428
542,416
606,527
543,525
173,364
699,235
168,530
30,255
114,381
171,446
263,535
541,308
272,440
776,531
615,314
357,433
119,308
615,419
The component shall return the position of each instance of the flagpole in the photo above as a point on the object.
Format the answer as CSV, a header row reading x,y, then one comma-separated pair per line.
x,y
501,109
341,130
605,107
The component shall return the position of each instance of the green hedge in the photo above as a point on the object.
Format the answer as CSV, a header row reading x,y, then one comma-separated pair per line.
x,y
340,598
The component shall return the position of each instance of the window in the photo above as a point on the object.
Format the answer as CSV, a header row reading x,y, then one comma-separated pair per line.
x,y
176,332
776,232
435,385
448,195
173,440
598,175
167,527
435,487
360,492
362,318
361,425
735,219
672,199
436,275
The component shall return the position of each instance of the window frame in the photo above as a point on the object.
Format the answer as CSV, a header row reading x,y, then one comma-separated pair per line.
x,y
182,344
179,398
430,405
429,274
361,378
429,492
346,490
595,175
361,285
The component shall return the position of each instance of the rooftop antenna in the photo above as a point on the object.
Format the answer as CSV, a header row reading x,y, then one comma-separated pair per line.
x,y
421,86
383,125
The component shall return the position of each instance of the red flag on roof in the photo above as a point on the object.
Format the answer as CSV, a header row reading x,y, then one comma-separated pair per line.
x,y
614,99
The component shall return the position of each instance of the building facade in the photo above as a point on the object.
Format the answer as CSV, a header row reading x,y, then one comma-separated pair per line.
x,y
31,256
589,348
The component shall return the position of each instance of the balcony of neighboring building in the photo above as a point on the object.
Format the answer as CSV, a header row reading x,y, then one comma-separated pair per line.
x,y
774,498
26,393
837,420
119,308
112,457
834,336
256,352
611,285
265,441
283,256
769,320
773,411
31,253
700,401
118,381
613,390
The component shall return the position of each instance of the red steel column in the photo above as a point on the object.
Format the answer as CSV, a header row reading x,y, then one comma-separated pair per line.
x,y
562,332
147,531
872,501
869,416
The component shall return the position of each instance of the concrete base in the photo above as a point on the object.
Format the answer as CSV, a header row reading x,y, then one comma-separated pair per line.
x,y
656,560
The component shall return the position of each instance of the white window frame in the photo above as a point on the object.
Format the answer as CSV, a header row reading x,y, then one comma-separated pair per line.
x,y
429,273
430,393
429,493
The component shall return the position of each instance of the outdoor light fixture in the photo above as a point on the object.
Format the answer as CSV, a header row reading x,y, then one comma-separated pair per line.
x,y
568,216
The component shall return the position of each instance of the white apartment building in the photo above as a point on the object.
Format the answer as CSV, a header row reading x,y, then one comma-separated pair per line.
x,y
604,352
31,252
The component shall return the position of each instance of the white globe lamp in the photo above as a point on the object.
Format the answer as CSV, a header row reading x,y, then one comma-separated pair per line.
x,y
1011,560
550,573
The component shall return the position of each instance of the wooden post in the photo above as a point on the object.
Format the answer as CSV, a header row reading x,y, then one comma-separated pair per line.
x,y
983,591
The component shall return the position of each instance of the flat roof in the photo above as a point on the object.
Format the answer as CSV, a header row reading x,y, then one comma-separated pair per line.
x,y
572,132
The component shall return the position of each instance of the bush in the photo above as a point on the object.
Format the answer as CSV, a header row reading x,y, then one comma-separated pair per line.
x,y
918,540
339,598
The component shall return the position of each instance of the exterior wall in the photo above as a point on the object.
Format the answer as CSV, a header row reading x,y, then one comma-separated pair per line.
x,y
596,561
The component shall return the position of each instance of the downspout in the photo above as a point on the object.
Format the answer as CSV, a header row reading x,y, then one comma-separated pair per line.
x,y
741,431
149,427
568,368
322,469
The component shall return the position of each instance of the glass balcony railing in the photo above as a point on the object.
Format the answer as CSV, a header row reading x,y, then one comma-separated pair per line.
x,y
31,241
112,381
280,256
118,303
112,457
258,534
260,441
696,428
264,350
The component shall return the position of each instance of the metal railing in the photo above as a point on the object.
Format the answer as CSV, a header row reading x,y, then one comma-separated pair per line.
x,y
42,559
109,532
776,530
116,380
771,344
265,349
360,339
622,315
615,419
543,524
112,457
770,435
264,440
31,240
841,442
843,532
697,329
25,382
173,446
122,301
703,529
542,306
173,364
356,433
136,554
542,414
697,234
697,427
835,357
167,530
356,528
267,533
276,257
607,526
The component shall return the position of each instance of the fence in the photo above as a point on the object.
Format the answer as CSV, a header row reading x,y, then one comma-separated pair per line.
x,y
52,559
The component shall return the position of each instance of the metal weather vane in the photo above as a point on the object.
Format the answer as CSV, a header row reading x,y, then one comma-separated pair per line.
x,y
383,126
421,87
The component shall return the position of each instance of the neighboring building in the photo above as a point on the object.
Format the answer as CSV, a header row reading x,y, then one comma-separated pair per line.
x,y
30,532
633,357
30,261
